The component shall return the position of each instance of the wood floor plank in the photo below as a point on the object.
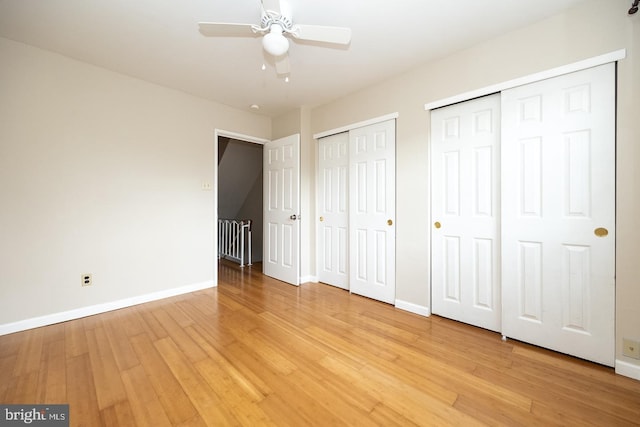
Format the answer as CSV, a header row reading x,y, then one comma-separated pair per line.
x,y
200,393
146,407
382,415
10,344
6,375
81,392
150,324
242,405
492,411
22,388
53,374
178,335
343,408
118,414
402,398
209,321
106,375
30,353
307,410
75,339
123,353
284,413
174,400
252,386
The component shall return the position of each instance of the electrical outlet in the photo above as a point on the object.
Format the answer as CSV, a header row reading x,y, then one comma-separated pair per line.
x,y
206,186
86,279
631,348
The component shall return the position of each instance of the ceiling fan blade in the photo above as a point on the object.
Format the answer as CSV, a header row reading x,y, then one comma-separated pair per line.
x,y
282,64
319,33
223,29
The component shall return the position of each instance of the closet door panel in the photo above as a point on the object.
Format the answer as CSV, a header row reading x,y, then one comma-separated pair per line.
x,y
372,211
465,197
558,213
333,214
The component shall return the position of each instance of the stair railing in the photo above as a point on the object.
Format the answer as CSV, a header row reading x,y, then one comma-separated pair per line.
x,y
233,238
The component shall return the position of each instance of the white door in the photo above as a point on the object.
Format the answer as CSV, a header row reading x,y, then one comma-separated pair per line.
x,y
465,211
281,257
372,211
333,206
558,213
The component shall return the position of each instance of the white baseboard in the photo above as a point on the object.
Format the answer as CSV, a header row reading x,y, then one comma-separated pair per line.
x,y
413,308
307,279
50,319
628,369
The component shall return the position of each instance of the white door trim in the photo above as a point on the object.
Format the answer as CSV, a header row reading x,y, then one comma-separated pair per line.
x,y
239,136
531,78
356,125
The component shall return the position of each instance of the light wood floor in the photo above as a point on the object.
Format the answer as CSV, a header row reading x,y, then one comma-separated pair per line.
x,y
255,351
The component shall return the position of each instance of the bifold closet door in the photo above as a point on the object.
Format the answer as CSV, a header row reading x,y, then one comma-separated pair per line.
x,y
558,213
465,211
333,206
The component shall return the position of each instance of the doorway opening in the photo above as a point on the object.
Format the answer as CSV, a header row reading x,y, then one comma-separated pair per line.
x,y
239,199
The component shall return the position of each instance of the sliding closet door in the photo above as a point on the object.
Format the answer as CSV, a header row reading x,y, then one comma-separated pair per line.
x,y
465,211
333,207
372,200
558,213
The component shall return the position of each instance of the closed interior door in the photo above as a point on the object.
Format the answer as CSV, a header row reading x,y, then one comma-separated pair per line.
x,y
465,209
333,205
281,253
558,213
372,211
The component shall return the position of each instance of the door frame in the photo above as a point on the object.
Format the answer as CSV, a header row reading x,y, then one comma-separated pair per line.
x,y
234,135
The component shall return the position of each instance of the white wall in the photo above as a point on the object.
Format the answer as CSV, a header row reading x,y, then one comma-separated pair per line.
x,y
597,27
101,173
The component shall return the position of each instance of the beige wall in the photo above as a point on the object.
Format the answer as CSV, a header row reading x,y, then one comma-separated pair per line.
x,y
101,173
599,27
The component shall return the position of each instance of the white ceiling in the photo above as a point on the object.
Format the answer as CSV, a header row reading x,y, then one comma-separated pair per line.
x,y
159,41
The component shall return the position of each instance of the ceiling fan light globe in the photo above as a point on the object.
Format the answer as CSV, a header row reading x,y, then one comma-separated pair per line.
x,y
275,44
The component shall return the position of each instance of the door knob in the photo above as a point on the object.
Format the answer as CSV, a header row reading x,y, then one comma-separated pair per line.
x,y
293,217
389,222
601,232
437,224
321,218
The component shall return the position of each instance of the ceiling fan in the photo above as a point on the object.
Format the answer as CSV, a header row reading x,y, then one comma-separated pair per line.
x,y
275,25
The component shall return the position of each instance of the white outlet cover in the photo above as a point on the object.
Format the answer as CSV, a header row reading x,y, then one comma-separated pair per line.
x,y
631,348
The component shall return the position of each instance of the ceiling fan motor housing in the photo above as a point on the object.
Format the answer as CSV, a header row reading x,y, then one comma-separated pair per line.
x,y
270,18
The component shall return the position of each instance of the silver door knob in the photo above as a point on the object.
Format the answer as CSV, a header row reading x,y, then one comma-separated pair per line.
x,y
293,217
